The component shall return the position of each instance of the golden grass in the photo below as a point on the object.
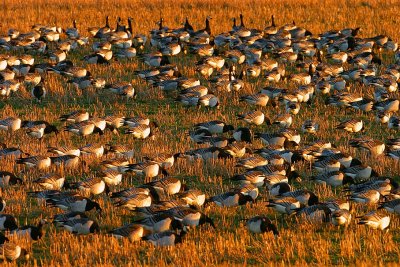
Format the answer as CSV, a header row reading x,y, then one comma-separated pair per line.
x,y
230,243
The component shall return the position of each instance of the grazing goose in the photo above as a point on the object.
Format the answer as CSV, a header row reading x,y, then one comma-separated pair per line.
x,y
304,196
142,131
40,162
374,220
82,226
261,224
253,177
132,202
131,231
38,92
11,252
37,129
34,232
285,205
8,222
189,217
253,117
193,197
59,219
74,203
315,213
214,127
50,181
9,179
83,128
75,116
166,238
351,125
10,124
89,186
159,223
230,199
341,217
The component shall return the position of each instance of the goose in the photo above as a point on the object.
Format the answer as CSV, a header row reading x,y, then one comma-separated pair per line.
x,y
64,150
9,179
368,196
11,252
168,186
118,164
333,178
258,99
304,196
10,124
40,162
149,169
375,147
83,128
261,224
142,131
134,201
285,205
252,162
8,222
73,32
230,199
189,217
253,117
351,125
122,88
193,197
89,186
341,217
50,181
75,116
111,177
314,214
374,220
59,219
37,129
392,206
214,127
74,203
159,223
81,226
122,150
253,177
34,232
310,126
126,193
166,238
131,231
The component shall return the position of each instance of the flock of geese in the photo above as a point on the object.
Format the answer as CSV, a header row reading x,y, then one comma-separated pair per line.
x,y
333,66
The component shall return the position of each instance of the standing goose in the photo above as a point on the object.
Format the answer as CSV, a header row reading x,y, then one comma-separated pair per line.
x,y
38,92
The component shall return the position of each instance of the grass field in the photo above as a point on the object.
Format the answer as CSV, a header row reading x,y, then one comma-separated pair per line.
x,y
230,243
